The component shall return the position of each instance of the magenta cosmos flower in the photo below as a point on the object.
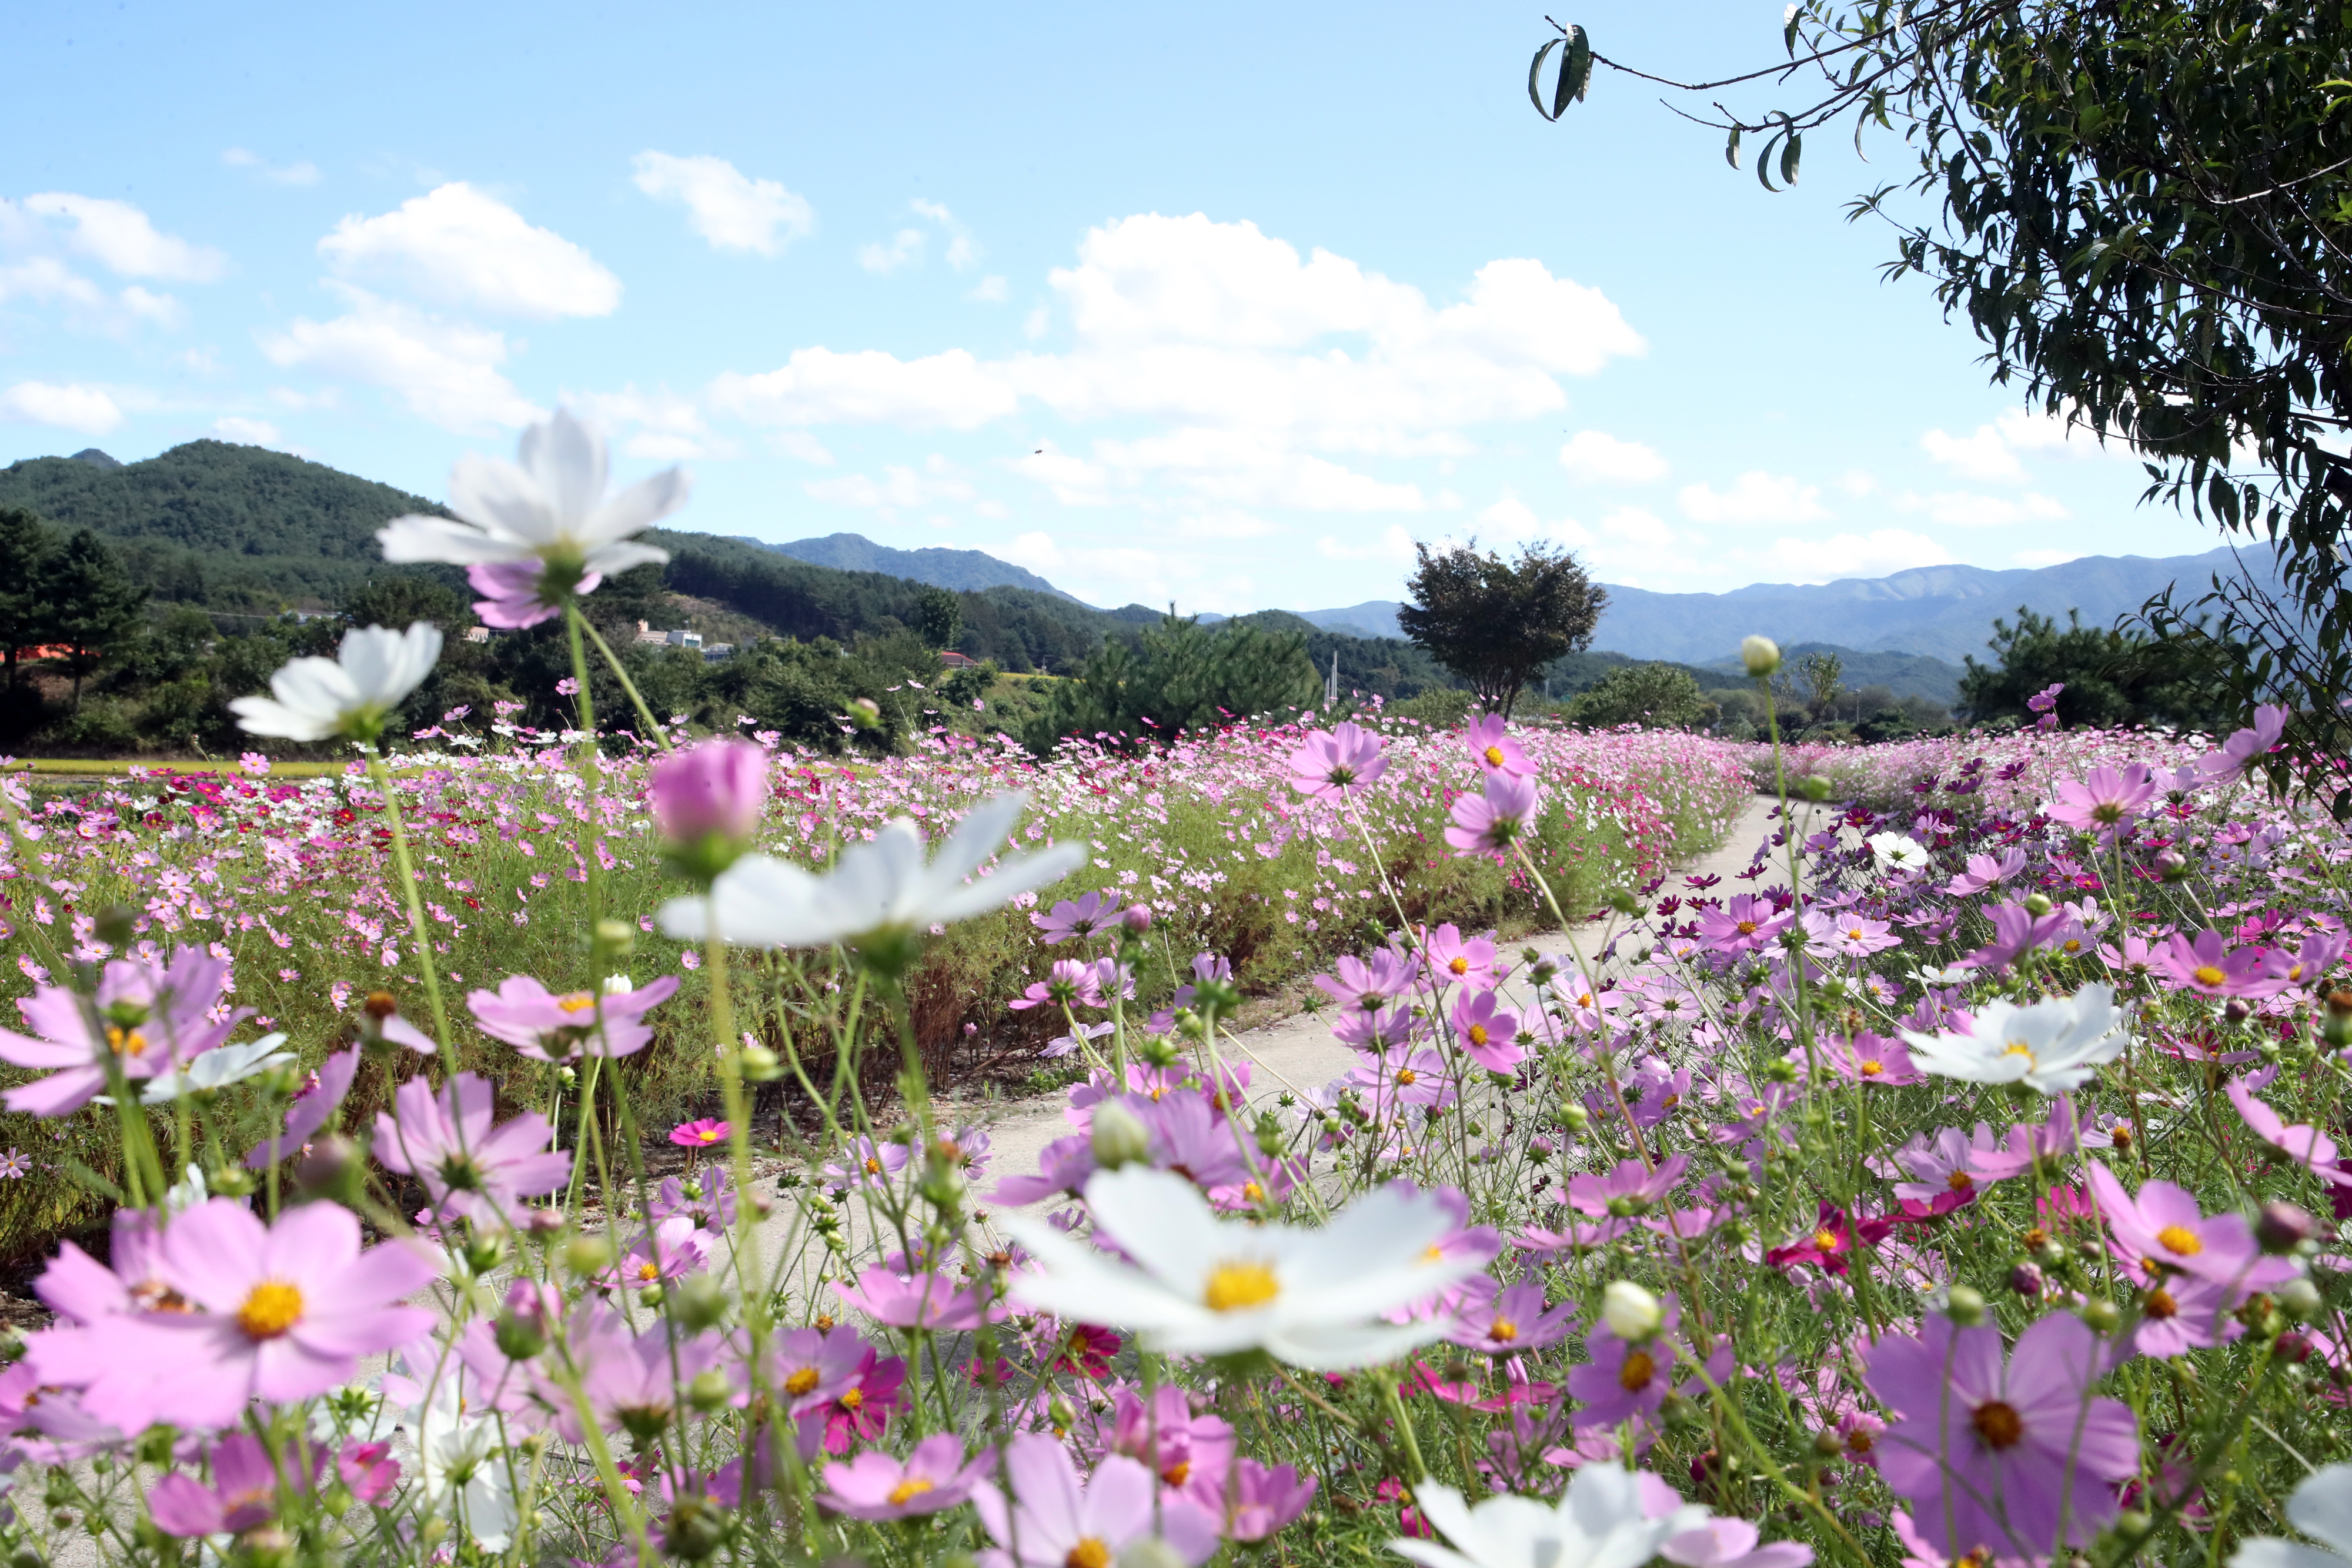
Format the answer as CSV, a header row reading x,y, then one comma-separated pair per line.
x,y
1337,764
2104,800
546,1027
1488,1035
1055,1520
1509,1320
2303,1144
1493,749
879,1486
1075,918
2163,1228
2245,744
719,787
448,1142
1490,824
2205,966
1991,1454
312,1109
700,1135
245,1312
150,1018
243,1492
917,1301
1368,988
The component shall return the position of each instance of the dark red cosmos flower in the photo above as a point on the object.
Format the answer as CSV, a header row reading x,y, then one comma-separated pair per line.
x,y
1832,1238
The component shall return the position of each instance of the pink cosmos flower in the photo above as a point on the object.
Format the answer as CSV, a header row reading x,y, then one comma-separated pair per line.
x,y
1867,1057
150,1018
913,1301
860,1412
1081,917
632,1380
1468,960
1946,1168
1625,1382
1491,823
2306,1146
1509,1320
2105,800
1732,1544
672,1249
514,592
1630,1189
2243,747
700,1135
706,1197
2016,931
716,790
448,1142
1847,935
1991,1454
2183,1313
878,1486
1337,764
1985,873
1063,1168
1832,1240
1492,750
1368,988
1404,1075
312,1109
1185,1450
1260,1500
1054,1519
1487,1033
249,1312
813,1369
2309,962
1188,1137
868,1164
1071,983
2046,699
1744,923
243,1493
546,1027
2163,1226
2204,965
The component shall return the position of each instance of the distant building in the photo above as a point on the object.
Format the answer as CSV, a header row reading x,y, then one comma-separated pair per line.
x,y
477,634
648,634
714,652
955,660
668,638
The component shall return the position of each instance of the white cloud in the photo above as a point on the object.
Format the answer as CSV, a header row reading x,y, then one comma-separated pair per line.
x,y
962,249
991,290
1193,582
2041,558
1073,481
906,246
303,173
663,426
1224,524
818,386
900,485
45,280
446,372
726,206
1878,553
92,411
1983,456
245,431
120,238
1989,453
1593,455
458,244
1754,498
801,445
1966,509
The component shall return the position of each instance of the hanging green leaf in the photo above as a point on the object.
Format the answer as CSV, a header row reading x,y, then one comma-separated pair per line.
x,y
1789,153
1731,149
1534,70
1575,71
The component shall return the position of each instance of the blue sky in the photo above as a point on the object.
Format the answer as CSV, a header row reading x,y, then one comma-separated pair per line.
x,y
1225,304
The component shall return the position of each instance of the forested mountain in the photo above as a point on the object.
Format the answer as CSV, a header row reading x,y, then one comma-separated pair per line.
x,y
964,571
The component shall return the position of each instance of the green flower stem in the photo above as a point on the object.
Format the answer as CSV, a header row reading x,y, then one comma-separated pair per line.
x,y
418,932
653,728
1395,1405
592,768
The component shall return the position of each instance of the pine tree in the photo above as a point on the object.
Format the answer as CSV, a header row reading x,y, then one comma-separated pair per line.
x,y
26,546
92,603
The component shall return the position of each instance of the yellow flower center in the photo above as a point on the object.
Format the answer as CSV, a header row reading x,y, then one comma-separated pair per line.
x,y
853,1399
1998,1424
648,1270
1458,964
1635,1374
1825,1240
1238,1284
873,1165
1504,1330
2180,1242
914,1487
577,1002
1494,757
2019,1048
126,1042
274,1307
1406,1075
1860,1440
1090,1552
1747,928
2209,975
801,1382
1959,1181
2160,1305
1873,1069
1432,1253
1176,1474
1253,1192
1477,1034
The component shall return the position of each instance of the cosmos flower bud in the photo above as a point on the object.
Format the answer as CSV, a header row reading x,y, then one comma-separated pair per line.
x,y
1965,1305
866,713
705,801
1120,1136
2172,864
1138,919
2299,1299
1761,655
2037,904
1631,1313
2282,1227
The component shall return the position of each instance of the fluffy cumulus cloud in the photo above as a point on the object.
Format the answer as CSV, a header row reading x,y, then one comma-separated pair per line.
x,y
446,372
121,238
731,209
1994,453
1243,374
1192,581
245,431
902,488
1755,496
462,246
1602,458
92,411
660,426
299,172
1966,510
46,240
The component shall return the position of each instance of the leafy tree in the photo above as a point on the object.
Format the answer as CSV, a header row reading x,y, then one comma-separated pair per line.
x,y
398,600
2143,209
1179,675
1497,623
1820,678
92,603
26,546
939,616
1659,695
2112,676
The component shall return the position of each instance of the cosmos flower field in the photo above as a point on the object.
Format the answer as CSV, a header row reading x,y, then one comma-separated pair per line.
x,y
1955,1185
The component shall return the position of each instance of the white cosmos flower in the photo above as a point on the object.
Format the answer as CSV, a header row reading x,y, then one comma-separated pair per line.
x,y
875,887
1602,1521
351,694
218,1068
2322,1508
550,507
2052,1046
1897,852
1200,1285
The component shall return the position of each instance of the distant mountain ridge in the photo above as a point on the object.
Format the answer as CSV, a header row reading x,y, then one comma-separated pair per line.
x,y
964,571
